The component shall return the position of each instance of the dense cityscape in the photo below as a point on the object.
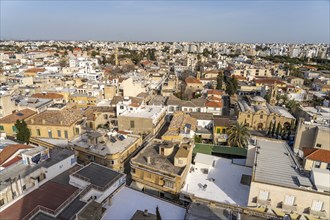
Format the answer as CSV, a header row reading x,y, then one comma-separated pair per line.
x,y
155,128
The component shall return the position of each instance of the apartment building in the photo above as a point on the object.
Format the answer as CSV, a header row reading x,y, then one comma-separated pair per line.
x,y
148,119
7,105
161,167
108,149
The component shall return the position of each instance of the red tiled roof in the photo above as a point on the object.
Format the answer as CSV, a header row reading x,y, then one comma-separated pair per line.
x,y
35,70
215,92
12,161
20,115
238,77
213,104
48,95
10,150
213,98
192,80
321,155
268,81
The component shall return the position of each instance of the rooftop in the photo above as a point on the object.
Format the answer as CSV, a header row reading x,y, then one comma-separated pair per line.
x,y
58,192
64,117
275,164
144,112
223,179
20,115
56,155
121,208
159,162
109,145
315,154
48,95
10,150
92,171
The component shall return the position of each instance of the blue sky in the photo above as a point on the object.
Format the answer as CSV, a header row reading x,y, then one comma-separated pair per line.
x,y
224,21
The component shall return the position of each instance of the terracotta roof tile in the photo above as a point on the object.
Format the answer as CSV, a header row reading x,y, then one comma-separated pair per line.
x,y
20,115
192,80
10,150
48,95
319,155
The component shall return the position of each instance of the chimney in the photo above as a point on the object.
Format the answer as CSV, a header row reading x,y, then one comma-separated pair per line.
x,y
43,121
149,161
145,213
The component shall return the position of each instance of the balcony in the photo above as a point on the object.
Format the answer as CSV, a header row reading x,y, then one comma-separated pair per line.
x,y
261,202
319,214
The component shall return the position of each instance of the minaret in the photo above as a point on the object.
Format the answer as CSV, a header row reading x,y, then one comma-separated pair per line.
x,y
116,57
273,95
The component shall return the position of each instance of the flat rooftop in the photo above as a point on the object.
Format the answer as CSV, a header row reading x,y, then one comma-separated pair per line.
x,y
107,147
122,208
93,171
159,162
226,187
56,155
145,112
276,165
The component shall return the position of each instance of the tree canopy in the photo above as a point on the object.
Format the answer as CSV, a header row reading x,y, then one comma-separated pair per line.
x,y
238,135
23,133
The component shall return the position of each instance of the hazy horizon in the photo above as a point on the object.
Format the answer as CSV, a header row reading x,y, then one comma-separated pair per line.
x,y
167,21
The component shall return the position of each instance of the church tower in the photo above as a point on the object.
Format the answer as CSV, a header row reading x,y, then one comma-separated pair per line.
x,y
273,95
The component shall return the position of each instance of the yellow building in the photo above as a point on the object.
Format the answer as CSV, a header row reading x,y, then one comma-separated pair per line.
x,y
161,167
108,150
82,100
316,158
182,126
7,124
259,115
56,124
220,127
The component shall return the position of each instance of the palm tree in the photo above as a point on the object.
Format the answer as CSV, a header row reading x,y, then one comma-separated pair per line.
x,y
238,135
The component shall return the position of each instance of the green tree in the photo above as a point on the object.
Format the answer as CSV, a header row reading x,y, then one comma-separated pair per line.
x,y
273,129
158,214
219,81
270,128
238,135
23,133
94,53
292,105
198,139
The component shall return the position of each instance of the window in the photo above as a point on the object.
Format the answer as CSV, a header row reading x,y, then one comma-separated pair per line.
x,y
132,170
317,205
317,164
121,107
263,195
132,124
289,200
2,202
14,129
105,116
59,133
77,130
1,128
168,184
218,130
147,175
248,116
319,145
38,132
261,116
50,134
328,166
24,187
66,134
224,131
